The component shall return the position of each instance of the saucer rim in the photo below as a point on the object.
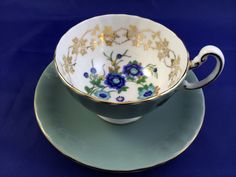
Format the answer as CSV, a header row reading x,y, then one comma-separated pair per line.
x,y
91,97
114,170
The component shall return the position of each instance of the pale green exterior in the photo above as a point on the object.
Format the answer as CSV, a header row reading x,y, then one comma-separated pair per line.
x,y
81,135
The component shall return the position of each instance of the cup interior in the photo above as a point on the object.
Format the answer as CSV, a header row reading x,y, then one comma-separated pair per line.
x,y
121,58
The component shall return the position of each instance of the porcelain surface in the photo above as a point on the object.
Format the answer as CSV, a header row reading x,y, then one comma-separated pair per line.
x,y
76,132
121,58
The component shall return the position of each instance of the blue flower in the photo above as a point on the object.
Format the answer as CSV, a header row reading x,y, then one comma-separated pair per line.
x,y
146,91
120,98
93,70
119,56
102,95
133,69
86,75
114,80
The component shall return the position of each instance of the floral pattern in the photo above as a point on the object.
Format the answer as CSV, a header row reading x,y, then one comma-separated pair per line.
x,y
116,79
133,69
109,37
120,98
102,94
146,91
117,76
68,65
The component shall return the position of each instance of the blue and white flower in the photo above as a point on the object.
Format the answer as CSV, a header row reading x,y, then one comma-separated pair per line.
x,y
133,69
93,70
102,94
146,91
115,81
120,98
86,75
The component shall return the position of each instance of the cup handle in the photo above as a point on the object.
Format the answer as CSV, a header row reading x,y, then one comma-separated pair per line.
x,y
206,51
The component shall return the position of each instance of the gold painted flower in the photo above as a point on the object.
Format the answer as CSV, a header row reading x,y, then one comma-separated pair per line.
x,y
107,36
165,43
138,39
132,31
145,38
175,62
134,35
160,55
175,70
147,45
93,44
79,46
83,51
163,50
69,67
158,45
75,46
156,34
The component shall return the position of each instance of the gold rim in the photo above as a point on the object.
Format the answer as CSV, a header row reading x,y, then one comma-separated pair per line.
x,y
127,102
112,170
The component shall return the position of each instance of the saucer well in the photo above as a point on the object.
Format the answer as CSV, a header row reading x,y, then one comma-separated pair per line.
x,y
79,134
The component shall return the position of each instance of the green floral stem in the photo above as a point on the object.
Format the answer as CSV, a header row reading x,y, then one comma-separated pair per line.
x,y
141,84
93,90
135,82
108,57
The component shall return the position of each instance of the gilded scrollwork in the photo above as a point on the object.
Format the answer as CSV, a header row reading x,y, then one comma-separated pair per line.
x,y
106,35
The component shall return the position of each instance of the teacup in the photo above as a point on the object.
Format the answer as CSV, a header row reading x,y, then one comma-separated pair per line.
x,y
121,67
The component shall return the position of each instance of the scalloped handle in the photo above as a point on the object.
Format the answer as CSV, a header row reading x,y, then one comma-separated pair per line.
x,y
206,51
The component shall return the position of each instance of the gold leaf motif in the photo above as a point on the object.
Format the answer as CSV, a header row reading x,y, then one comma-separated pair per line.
x,y
175,69
72,70
75,46
132,31
93,44
138,40
156,34
147,45
107,30
108,43
175,62
165,43
160,55
68,64
78,43
135,43
140,36
107,36
166,52
158,45
82,42
83,51
101,37
145,38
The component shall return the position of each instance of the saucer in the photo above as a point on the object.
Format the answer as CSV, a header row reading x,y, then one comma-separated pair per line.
x,y
79,134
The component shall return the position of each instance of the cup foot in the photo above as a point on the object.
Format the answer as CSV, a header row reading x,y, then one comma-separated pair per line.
x,y
120,121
